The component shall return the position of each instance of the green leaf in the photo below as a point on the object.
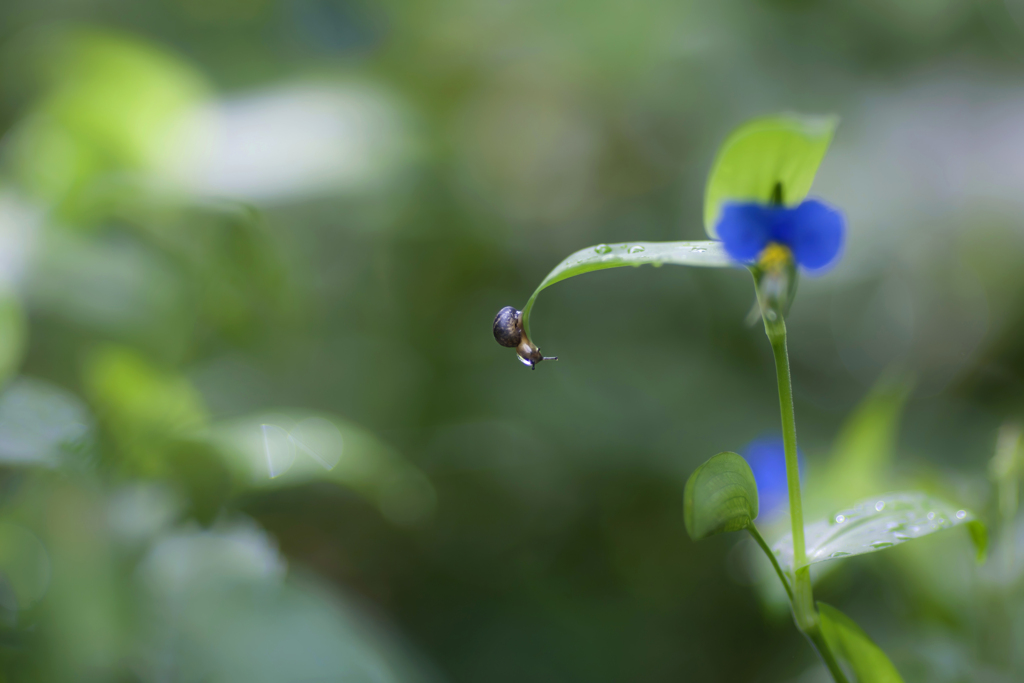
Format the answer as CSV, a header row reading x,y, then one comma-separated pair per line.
x,y
855,649
979,537
778,150
701,253
864,448
874,524
721,496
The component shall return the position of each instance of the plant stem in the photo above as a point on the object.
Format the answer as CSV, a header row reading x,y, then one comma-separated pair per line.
x,y
817,639
777,336
771,556
801,595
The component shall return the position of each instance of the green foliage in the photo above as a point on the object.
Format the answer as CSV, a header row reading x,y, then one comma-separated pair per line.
x,y
875,524
42,424
862,452
143,408
702,253
112,103
779,150
720,496
13,336
855,649
979,537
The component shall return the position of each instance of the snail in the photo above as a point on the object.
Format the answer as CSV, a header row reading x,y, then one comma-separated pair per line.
x,y
508,331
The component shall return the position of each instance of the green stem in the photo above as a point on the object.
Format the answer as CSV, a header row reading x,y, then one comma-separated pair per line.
x,y
801,596
771,556
817,638
803,599
777,336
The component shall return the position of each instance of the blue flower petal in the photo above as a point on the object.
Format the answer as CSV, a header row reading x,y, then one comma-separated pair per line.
x,y
813,231
745,230
766,456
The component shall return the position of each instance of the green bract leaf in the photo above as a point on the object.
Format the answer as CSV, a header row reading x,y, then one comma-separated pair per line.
x,y
721,495
778,150
855,649
874,524
702,253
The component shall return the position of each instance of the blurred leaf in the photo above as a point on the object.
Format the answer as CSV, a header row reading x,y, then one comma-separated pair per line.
x,y
854,648
141,406
291,449
864,446
979,536
39,423
13,335
113,103
704,253
228,611
720,496
24,567
784,150
874,524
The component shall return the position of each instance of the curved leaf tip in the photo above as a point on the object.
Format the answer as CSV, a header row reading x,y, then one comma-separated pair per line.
x,y
703,253
720,496
763,156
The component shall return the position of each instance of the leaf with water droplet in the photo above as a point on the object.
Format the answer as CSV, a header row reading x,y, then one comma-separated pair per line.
x,y
720,496
707,254
852,647
764,153
875,524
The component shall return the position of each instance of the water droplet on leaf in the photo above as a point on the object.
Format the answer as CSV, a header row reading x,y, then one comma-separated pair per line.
x,y
880,505
961,514
603,249
840,519
838,553
635,249
699,250
878,545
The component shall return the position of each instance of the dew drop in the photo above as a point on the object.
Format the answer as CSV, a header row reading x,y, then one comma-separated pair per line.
x,y
878,545
840,519
635,249
699,250
603,249
960,514
901,537
838,553
771,315
880,505
931,516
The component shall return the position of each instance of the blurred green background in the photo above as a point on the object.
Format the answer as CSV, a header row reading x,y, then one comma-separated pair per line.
x,y
254,425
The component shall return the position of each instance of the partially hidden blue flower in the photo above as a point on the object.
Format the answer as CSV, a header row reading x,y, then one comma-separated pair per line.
x,y
811,234
766,456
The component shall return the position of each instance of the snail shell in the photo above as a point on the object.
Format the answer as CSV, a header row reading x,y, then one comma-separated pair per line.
x,y
508,327
508,331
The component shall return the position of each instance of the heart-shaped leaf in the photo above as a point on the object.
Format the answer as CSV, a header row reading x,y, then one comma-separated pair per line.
x,y
705,253
720,496
782,151
876,524
855,649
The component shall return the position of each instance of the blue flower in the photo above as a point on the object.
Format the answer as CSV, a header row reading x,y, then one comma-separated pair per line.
x,y
766,456
811,233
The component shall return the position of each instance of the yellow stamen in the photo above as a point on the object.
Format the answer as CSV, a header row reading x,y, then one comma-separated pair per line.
x,y
775,256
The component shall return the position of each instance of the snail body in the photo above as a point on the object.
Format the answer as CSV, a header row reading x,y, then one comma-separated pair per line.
x,y
509,332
